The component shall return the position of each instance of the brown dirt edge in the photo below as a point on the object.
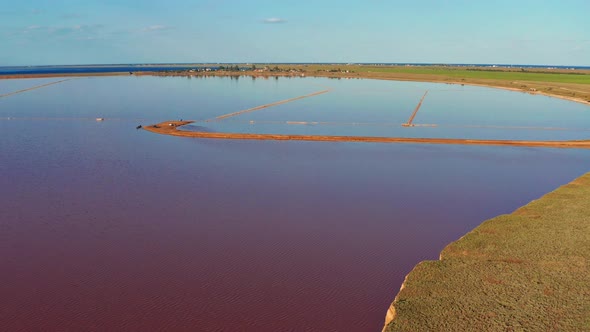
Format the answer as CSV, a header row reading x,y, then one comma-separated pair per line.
x,y
171,128
526,271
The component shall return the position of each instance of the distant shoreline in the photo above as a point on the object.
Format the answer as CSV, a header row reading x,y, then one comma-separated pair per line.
x,y
511,78
52,75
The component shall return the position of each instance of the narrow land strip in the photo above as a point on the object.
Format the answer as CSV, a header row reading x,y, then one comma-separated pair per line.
x,y
411,120
528,270
170,128
393,124
100,119
225,116
33,88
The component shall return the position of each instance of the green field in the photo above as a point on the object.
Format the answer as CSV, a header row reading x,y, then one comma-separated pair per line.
x,y
527,271
491,74
571,84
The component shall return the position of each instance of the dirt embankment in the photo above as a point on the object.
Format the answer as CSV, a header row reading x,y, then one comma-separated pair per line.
x,y
33,88
171,128
225,116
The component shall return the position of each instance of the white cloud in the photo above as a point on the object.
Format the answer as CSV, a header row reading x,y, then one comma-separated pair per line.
x,y
274,20
157,27
79,28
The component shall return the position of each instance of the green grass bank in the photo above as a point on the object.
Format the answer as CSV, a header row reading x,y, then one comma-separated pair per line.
x,y
526,271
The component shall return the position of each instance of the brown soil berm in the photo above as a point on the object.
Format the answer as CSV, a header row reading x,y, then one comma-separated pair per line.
x,y
411,120
33,88
225,116
170,128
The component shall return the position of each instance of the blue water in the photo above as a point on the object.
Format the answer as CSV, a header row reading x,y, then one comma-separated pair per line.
x,y
378,108
355,107
105,227
90,69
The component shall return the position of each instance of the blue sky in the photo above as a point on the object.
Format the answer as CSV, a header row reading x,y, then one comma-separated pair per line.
x,y
45,32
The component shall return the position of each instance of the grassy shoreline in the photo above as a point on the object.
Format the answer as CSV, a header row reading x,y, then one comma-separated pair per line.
x,y
528,270
567,84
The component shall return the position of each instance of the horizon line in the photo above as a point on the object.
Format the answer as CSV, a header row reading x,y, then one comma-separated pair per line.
x,y
300,63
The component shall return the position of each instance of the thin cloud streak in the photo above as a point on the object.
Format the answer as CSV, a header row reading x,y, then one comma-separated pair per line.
x,y
73,32
157,27
274,20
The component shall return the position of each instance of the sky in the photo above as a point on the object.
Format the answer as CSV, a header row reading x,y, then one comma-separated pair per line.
x,y
54,32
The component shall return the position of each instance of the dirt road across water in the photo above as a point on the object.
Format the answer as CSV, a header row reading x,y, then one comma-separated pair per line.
x,y
171,128
225,116
33,88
